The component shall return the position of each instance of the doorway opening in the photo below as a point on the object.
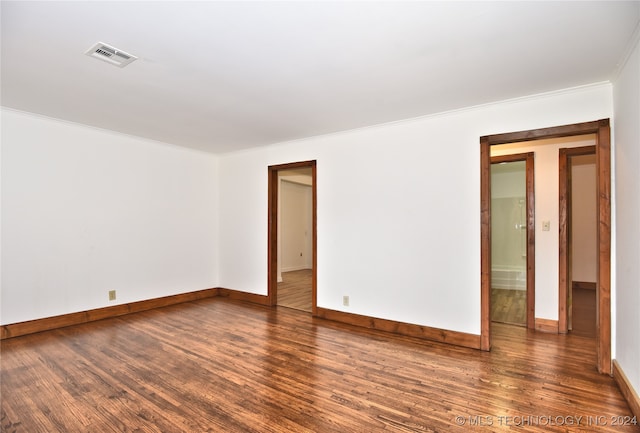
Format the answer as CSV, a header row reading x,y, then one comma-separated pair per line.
x,y
513,239
578,230
292,236
602,132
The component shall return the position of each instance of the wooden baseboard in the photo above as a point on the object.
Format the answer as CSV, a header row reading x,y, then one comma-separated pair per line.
x,y
583,285
243,296
49,323
425,332
547,325
629,393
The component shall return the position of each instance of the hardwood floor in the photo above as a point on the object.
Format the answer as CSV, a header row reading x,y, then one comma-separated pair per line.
x,y
295,290
509,306
219,365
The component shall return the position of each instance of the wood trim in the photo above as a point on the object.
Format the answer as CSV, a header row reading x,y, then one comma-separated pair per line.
x,y
531,241
485,244
563,240
49,323
580,151
603,157
244,296
627,390
584,285
528,158
545,133
272,241
401,328
603,179
314,240
272,231
547,325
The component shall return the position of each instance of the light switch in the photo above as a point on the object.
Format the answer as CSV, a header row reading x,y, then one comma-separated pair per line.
x,y
546,226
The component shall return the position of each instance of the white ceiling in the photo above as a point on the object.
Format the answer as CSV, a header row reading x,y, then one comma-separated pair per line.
x,y
222,76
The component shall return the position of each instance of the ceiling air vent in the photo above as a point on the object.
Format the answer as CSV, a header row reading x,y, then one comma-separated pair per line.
x,y
110,54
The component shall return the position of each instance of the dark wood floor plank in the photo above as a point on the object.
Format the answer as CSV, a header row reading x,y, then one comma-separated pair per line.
x,y
222,365
295,290
584,312
509,306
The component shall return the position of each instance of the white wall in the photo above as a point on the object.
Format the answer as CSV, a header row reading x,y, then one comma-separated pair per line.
x,y
627,214
85,211
584,219
546,181
402,238
295,226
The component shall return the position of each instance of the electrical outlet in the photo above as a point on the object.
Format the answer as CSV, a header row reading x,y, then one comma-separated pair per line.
x,y
345,301
112,295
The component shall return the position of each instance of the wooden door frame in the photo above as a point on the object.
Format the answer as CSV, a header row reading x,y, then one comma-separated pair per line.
x,y
602,131
272,230
528,158
564,165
